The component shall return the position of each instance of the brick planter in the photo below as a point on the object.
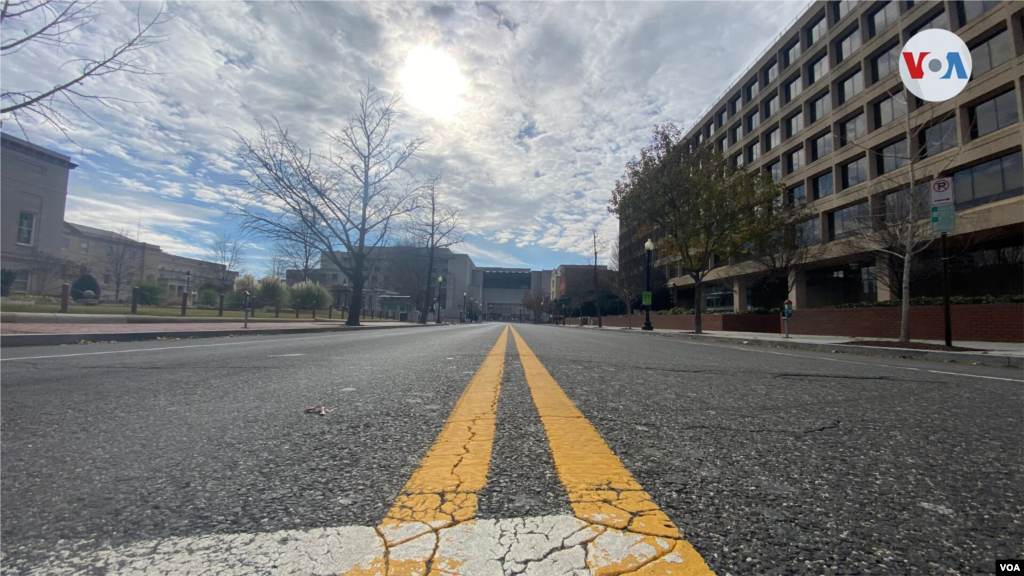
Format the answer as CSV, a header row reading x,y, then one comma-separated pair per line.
x,y
971,322
765,323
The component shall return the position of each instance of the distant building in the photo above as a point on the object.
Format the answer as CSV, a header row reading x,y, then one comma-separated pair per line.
x,y
505,288
579,278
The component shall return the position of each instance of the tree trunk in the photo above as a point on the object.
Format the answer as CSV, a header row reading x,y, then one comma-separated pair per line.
x,y
905,305
696,306
355,305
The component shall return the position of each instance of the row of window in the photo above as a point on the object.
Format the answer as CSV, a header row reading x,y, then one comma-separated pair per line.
x,y
986,55
993,180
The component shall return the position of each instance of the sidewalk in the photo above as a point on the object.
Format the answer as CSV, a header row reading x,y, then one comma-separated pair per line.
x,y
991,353
50,333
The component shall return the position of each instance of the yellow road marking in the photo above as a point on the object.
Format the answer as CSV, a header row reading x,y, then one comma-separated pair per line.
x,y
443,490
603,492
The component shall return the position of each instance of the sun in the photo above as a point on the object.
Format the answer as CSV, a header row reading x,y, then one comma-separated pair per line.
x,y
431,81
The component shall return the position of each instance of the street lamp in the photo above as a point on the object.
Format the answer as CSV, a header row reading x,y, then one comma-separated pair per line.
x,y
464,311
439,280
649,247
188,281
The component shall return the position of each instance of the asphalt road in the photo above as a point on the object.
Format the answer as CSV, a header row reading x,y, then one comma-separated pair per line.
x,y
768,461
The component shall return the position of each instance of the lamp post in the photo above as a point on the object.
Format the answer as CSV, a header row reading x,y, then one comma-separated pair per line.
x,y
188,281
649,247
440,279
464,312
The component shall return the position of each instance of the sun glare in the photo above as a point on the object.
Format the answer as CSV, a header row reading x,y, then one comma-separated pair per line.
x,y
431,81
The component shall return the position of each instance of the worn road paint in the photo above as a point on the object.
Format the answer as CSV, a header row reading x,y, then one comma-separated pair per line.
x,y
443,490
602,491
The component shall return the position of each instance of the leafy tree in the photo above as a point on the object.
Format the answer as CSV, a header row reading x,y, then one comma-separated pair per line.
x,y
695,202
82,284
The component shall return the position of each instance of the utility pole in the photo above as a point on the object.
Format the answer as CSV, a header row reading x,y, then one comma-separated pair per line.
x,y
597,291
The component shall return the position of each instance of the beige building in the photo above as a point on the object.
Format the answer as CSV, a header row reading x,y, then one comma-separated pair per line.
x,y
824,111
34,185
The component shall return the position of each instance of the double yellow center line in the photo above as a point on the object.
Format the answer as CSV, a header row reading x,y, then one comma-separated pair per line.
x,y
629,534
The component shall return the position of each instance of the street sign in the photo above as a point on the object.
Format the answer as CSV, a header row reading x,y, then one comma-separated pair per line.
x,y
943,219
647,299
942,191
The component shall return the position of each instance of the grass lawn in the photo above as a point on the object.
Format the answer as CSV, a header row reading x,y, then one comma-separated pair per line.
x,y
169,311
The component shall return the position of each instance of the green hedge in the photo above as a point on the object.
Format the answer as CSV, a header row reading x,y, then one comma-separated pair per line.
x,y
937,301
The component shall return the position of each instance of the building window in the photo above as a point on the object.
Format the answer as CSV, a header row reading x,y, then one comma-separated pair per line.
x,y
898,204
889,109
885,63
990,54
851,86
771,73
752,90
797,195
793,53
1000,178
855,172
26,228
936,22
721,118
793,88
847,221
131,254
810,232
816,70
771,139
65,242
84,248
722,145
821,146
848,45
710,129
882,18
820,107
844,7
794,124
991,115
938,138
736,133
738,159
775,169
892,157
817,30
753,152
736,104
795,160
974,8
753,121
771,106
852,130
822,186
22,279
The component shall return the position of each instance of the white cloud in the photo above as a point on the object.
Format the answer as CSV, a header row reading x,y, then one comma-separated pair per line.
x,y
557,98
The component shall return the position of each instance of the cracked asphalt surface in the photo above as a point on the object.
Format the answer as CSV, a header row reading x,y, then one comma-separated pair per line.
x,y
769,461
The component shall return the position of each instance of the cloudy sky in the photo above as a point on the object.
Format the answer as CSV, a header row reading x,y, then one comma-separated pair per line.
x,y
531,109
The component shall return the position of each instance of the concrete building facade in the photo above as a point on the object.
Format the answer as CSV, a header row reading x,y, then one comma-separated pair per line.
x,y
824,111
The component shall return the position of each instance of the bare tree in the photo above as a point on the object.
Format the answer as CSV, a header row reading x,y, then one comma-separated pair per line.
x,y
299,251
409,269
434,225
345,198
31,25
120,260
228,251
899,230
534,301
599,243
48,271
278,264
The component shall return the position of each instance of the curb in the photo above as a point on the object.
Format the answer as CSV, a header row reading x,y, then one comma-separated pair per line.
x,y
906,353
20,340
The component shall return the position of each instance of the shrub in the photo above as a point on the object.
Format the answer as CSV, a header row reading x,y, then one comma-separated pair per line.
x,y
246,282
7,277
308,294
208,297
83,283
150,293
269,289
937,301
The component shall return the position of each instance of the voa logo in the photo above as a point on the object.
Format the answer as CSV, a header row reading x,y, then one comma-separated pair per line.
x,y
935,65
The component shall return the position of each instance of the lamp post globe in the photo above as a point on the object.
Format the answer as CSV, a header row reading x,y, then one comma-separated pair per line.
x,y
649,248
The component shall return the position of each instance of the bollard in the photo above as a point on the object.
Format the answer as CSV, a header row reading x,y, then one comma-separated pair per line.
x,y
314,311
220,307
330,311
135,299
65,294
184,302
296,310
277,308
